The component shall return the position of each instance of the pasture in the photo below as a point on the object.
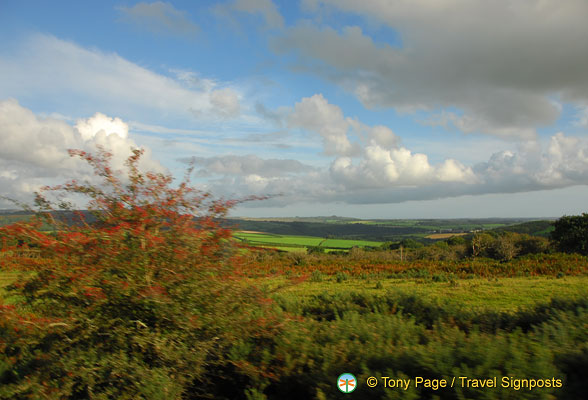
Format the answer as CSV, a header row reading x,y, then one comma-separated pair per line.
x,y
299,243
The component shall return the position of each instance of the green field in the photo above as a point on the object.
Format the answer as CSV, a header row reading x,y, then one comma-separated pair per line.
x,y
300,243
500,294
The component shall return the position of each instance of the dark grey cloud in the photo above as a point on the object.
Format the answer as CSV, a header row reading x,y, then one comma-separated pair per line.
x,y
504,65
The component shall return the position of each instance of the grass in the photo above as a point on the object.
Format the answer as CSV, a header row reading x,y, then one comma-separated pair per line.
x,y
290,241
444,235
6,278
498,294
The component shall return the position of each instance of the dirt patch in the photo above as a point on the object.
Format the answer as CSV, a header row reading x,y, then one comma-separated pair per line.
x,y
444,235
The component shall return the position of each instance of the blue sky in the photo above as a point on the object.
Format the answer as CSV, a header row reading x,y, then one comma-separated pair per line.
x,y
397,109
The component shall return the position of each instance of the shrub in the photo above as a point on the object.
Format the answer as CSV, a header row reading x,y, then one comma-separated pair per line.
x,y
504,247
341,277
571,234
532,244
315,250
137,303
317,276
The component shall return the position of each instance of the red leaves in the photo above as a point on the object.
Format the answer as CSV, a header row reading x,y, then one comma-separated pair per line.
x,y
150,255
144,229
155,291
93,292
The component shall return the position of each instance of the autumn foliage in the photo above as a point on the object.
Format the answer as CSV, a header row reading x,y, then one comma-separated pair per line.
x,y
136,300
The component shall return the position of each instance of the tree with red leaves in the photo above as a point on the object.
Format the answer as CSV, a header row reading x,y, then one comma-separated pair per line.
x,y
138,301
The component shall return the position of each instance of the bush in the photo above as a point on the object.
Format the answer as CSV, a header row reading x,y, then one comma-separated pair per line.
x,y
138,303
341,277
571,234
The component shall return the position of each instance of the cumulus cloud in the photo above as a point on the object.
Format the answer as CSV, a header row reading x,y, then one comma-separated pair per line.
x,y
100,123
395,174
61,70
500,63
390,176
34,150
399,167
369,165
159,17
318,115
266,8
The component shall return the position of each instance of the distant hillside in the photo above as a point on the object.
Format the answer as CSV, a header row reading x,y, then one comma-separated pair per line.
x,y
10,217
332,230
535,228
353,228
376,229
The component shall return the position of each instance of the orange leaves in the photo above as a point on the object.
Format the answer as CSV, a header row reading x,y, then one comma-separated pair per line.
x,y
156,292
93,292
147,255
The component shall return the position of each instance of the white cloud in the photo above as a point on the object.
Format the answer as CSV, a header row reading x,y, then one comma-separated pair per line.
x,y
34,150
369,165
398,167
91,127
317,115
382,136
159,17
499,62
65,72
395,175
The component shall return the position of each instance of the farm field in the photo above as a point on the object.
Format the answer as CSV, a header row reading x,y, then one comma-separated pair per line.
x,y
299,243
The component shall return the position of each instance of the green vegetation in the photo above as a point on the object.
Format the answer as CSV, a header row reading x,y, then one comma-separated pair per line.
x,y
376,230
476,294
571,233
288,242
140,303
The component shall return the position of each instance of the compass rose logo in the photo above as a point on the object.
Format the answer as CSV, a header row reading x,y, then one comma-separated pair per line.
x,y
346,382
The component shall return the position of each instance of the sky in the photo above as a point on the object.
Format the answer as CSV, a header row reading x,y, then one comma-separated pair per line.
x,y
368,109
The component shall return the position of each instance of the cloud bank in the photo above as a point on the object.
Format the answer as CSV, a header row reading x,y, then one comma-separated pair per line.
x,y
380,170
482,66
368,164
